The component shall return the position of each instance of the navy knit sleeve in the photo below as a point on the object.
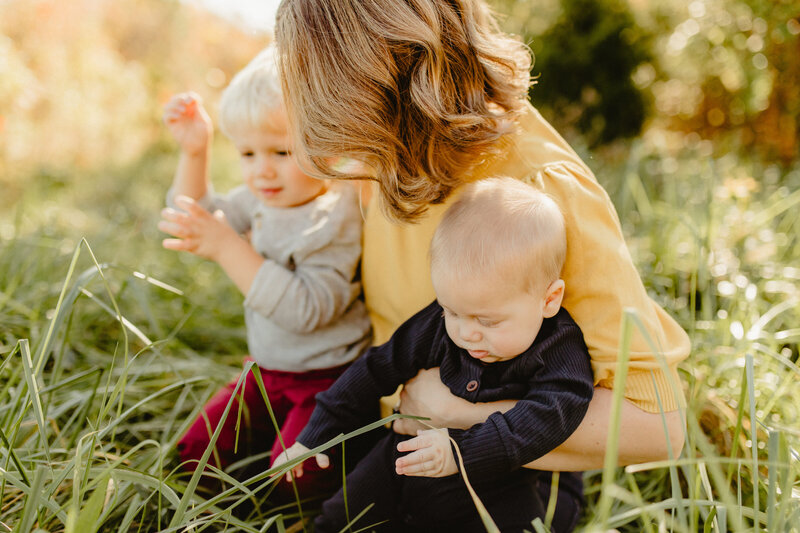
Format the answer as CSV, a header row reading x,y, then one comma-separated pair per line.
x,y
351,401
549,413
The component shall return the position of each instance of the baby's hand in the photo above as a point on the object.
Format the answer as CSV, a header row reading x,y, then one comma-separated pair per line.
x,y
431,455
197,231
293,452
188,122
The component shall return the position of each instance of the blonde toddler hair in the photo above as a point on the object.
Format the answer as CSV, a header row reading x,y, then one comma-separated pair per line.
x,y
501,227
252,95
418,90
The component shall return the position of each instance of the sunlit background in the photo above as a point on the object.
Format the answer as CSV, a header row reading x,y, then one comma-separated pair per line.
x,y
255,14
82,81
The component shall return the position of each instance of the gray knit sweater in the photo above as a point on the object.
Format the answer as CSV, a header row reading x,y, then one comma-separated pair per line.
x,y
304,310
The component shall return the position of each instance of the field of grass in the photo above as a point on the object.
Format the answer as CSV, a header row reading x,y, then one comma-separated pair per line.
x,y
109,345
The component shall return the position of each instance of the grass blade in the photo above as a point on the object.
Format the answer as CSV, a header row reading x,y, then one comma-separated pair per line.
x,y
180,512
87,516
60,311
32,502
33,391
278,471
753,435
773,452
612,442
552,500
539,527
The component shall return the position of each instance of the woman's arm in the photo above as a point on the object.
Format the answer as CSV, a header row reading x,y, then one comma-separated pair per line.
x,y
583,450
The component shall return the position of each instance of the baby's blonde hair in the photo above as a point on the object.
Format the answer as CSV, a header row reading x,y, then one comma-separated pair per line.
x,y
504,228
418,90
253,94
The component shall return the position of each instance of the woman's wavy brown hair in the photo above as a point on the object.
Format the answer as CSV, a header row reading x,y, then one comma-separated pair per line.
x,y
418,90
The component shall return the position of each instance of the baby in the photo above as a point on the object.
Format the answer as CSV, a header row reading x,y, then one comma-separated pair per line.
x,y
497,331
297,269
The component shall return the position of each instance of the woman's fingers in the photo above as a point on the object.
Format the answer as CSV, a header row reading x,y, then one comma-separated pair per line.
x,y
407,426
417,393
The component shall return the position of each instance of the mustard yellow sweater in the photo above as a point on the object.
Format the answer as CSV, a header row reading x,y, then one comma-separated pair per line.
x,y
600,277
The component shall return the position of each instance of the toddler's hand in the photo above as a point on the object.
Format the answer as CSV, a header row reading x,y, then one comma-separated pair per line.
x,y
431,455
293,452
197,230
187,120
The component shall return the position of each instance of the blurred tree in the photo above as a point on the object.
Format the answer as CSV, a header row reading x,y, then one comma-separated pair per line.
x,y
584,66
584,63
730,71
722,70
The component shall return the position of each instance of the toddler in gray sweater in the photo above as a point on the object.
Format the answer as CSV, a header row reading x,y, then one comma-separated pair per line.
x,y
291,243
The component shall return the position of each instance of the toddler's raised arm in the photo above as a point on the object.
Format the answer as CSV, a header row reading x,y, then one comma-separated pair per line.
x,y
189,123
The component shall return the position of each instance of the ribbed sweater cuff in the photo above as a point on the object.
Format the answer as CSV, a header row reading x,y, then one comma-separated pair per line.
x,y
315,433
646,389
483,461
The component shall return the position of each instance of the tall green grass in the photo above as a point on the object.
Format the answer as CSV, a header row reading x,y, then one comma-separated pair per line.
x,y
110,346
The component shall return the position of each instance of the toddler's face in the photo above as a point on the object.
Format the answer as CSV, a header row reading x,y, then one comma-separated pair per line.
x,y
268,168
492,321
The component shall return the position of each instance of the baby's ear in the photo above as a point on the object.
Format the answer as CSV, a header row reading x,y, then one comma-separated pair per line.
x,y
552,298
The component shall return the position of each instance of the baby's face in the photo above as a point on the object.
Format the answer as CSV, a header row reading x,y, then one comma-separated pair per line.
x,y
268,168
492,320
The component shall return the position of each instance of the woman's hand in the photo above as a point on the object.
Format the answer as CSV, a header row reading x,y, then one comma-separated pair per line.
x,y
293,452
426,395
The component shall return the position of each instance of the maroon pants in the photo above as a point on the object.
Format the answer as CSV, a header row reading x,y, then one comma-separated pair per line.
x,y
291,396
